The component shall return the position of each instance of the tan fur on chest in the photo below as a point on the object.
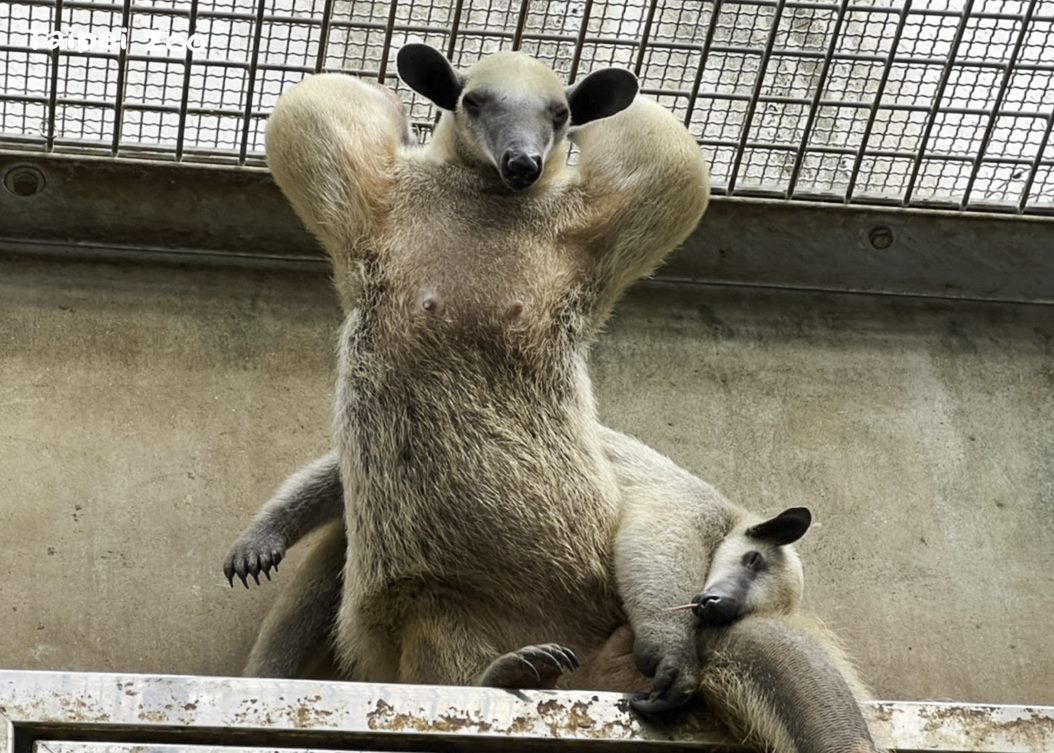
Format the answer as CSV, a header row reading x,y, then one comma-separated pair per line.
x,y
465,394
462,250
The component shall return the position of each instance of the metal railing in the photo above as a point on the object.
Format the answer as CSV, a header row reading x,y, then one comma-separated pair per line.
x,y
56,712
914,103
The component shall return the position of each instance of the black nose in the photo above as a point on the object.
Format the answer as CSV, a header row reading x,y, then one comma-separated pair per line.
x,y
715,609
520,169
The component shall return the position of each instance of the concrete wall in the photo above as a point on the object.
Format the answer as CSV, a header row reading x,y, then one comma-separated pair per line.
x,y
146,411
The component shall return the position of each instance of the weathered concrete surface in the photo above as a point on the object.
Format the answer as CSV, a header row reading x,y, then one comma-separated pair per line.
x,y
145,412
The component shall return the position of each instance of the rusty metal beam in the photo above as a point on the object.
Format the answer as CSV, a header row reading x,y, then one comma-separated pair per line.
x,y
62,712
86,747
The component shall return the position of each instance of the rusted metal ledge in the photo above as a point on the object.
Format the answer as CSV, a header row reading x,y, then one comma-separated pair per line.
x,y
65,712
81,205
71,746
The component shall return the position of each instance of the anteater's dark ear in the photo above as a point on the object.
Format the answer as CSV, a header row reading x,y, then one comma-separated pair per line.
x,y
601,94
427,72
786,528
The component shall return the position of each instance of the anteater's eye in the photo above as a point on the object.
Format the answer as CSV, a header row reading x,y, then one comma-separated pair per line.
x,y
560,115
753,560
472,103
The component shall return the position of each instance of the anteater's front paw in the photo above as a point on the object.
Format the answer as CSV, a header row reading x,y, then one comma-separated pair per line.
x,y
677,681
532,667
254,552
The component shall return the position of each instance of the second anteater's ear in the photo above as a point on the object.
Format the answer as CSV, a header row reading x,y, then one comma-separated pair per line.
x,y
427,72
786,528
600,95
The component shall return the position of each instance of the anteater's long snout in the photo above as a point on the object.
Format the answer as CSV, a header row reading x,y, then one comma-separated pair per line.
x,y
520,169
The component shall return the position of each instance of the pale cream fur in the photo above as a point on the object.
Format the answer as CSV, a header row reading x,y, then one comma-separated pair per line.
x,y
480,509
486,508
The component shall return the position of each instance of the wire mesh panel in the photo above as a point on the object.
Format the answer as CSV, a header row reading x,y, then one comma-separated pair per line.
x,y
902,102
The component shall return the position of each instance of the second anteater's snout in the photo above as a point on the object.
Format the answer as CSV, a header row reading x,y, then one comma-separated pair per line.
x,y
519,169
717,606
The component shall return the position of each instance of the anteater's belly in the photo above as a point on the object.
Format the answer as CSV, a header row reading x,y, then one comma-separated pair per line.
x,y
470,474
473,476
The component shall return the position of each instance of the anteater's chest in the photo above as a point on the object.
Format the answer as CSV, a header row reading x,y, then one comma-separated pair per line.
x,y
464,399
467,348
462,253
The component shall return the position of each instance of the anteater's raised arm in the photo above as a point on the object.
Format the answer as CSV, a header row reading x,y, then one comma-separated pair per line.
x,y
782,684
332,141
648,185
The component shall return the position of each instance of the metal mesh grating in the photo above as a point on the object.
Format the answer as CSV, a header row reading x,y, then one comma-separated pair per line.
x,y
899,102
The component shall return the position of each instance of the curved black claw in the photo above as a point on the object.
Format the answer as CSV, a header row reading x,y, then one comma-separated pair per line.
x,y
254,554
531,667
561,656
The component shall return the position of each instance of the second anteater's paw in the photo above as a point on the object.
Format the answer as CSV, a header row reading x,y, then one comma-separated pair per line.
x,y
255,553
676,683
531,667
